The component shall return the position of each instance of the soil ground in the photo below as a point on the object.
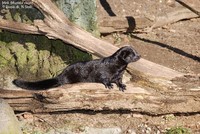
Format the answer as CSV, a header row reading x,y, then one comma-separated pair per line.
x,y
176,46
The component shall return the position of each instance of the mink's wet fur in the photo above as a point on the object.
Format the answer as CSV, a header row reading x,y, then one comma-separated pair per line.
x,y
106,71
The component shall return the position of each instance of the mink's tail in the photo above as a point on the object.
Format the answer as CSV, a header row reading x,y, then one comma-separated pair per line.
x,y
38,85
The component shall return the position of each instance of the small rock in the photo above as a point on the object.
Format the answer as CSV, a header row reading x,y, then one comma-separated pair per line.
x,y
158,132
172,30
8,121
137,115
28,116
170,3
59,131
131,131
89,130
169,117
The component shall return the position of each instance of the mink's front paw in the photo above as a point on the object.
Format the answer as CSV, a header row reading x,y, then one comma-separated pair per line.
x,y
109,85
122,87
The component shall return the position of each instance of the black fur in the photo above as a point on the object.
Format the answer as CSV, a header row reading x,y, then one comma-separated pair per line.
x,y
106,71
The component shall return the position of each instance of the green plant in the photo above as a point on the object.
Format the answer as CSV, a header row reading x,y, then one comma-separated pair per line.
x,y
178,130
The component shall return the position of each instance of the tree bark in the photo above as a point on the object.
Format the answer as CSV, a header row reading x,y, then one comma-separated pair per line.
x,y
18,27
92,96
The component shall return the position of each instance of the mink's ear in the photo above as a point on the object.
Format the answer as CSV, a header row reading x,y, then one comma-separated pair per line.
x,y
129,55
124,56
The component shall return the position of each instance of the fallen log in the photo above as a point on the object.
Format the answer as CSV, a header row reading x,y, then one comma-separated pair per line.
x,y
57,26
93,96
122,24
174,16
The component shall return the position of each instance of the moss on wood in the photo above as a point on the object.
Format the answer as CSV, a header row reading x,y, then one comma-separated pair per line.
x,y
34,57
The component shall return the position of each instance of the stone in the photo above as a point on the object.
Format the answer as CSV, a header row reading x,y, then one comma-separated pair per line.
x,y
8,121
88,130
114,130
82,13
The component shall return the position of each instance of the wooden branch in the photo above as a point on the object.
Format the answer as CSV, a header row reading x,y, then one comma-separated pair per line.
x,y
123,24
93,96
174,16
18,27
57,26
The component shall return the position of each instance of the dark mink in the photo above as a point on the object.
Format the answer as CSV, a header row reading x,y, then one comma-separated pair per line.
x,y
105,70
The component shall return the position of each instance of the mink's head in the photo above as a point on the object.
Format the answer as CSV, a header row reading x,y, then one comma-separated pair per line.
x,y
128,54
